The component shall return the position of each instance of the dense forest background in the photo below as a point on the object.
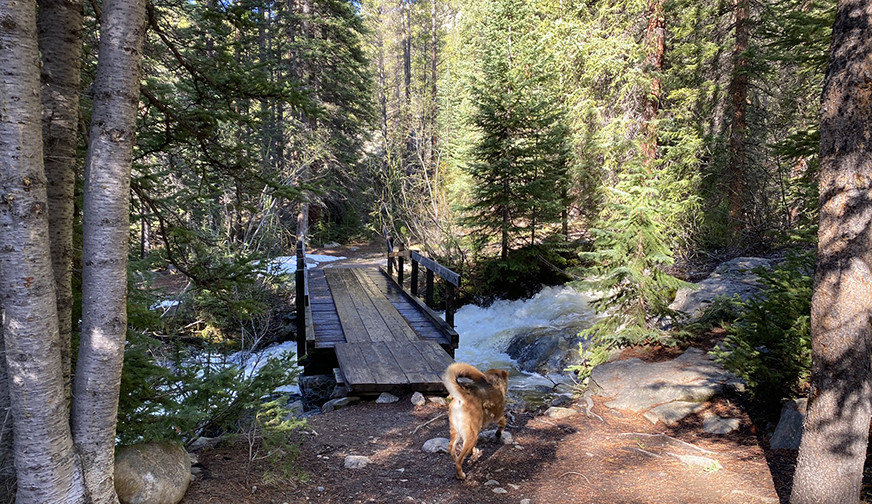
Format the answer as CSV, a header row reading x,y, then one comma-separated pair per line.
x,y
626,146
479,130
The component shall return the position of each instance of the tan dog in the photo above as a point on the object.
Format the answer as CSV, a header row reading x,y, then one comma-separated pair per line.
x,y
477,400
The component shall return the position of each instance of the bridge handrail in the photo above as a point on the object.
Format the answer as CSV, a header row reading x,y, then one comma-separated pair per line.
x,y
301,279
397,258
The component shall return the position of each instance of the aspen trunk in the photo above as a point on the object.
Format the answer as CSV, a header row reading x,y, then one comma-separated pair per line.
x,y
59,28
105,247
44,457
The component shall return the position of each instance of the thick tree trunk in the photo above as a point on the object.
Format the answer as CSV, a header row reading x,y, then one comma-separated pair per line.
x,y
59,26
105,247
738,125
382,85
833,450
655,41
434,106
44,456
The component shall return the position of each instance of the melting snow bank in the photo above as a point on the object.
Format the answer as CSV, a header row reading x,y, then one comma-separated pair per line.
x,y
288,264
251,362
540,332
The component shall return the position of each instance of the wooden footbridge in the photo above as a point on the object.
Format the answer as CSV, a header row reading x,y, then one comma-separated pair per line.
x,y
371,331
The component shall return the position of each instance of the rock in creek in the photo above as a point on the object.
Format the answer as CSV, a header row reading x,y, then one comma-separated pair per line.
x,y
545,350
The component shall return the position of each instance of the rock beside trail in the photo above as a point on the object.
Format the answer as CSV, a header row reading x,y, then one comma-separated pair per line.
x,y
788,433
730,278
558,412
152,473
488,435
671,413
665,391
386,398
418,399
435,445
638,386
335,404
357,462
714,424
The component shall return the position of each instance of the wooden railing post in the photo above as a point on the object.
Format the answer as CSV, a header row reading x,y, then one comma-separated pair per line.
x,y
449,304
413,280
400,263
300,281
390,244
428,287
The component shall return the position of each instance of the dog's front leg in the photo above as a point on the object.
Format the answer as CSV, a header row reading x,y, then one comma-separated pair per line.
x,y
501,426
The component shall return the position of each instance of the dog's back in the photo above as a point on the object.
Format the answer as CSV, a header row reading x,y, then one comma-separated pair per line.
x,y
478,399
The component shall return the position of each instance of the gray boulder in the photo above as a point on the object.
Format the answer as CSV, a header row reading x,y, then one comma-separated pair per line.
x,y
335,404
439,444
732,278
152,473
788,433
638,386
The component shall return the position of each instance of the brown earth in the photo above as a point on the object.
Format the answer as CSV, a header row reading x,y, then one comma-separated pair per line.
x,y
602,457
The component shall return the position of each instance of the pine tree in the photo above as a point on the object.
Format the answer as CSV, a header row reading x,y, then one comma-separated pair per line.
x,y
521,158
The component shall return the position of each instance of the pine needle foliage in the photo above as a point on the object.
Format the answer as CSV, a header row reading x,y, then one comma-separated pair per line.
x,y
769,344
520,161
627,265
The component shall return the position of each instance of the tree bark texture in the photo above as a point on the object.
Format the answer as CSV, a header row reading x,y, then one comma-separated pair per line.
x,y
833,449
105,246
738,125
44,456
59,28
7,453
655,42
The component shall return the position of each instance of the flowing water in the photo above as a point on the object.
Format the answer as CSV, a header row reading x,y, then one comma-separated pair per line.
x,y
485,332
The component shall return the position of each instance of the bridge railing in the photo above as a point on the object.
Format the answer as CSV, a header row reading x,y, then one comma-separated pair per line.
x,y
305,329
397,261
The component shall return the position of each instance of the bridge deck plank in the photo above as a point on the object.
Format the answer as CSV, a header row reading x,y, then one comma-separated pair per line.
x,y
381,340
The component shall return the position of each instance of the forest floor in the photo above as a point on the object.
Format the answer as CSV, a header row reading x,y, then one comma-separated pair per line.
x,y
606,457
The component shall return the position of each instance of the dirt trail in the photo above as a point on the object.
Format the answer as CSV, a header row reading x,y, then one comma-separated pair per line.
x,y
608,457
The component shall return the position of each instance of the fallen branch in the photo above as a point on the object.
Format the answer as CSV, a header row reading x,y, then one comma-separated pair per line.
x,y
428,422
576,474
588,408
667,439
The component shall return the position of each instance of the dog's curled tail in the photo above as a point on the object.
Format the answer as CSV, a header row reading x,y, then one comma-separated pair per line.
x,y
456,388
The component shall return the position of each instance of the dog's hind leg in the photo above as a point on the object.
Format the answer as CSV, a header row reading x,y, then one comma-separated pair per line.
x,y
469,440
